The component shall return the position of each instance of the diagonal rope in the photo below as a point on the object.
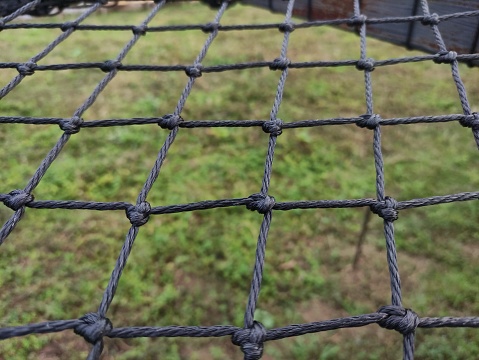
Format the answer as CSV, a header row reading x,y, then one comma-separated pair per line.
x,y
446,56
10,224
28,68
139,214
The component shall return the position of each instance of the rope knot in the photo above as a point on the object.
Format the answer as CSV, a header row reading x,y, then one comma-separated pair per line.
x,y
369,121
139,214
27,68
170,121
17,198
71,126
194,71
110,65
279,64
139,30
93,327
432,19
273,127
261,203
445,57
400,319
470,121
365,64
386,209
251,341
68,25
357,20
286,27
210,27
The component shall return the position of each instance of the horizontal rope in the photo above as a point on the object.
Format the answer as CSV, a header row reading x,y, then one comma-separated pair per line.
x,y
219,27
229,330
237,123
213,204
228,67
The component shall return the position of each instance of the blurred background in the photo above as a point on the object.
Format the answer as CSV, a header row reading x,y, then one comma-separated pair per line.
x,y
195,268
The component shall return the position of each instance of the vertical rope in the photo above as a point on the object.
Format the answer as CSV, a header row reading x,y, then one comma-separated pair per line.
x,y
368,66
261,246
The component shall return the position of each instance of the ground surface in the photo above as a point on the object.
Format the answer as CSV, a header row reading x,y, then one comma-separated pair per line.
x,y
195,268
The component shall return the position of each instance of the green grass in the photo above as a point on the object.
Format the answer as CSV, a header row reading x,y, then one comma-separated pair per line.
x,y
195,268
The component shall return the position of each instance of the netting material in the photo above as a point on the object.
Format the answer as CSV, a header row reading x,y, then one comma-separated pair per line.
x,y
93,327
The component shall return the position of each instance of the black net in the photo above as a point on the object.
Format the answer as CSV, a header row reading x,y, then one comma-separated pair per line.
x,y
252,335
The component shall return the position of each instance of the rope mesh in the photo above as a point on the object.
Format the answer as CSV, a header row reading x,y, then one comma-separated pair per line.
x,y
93,327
